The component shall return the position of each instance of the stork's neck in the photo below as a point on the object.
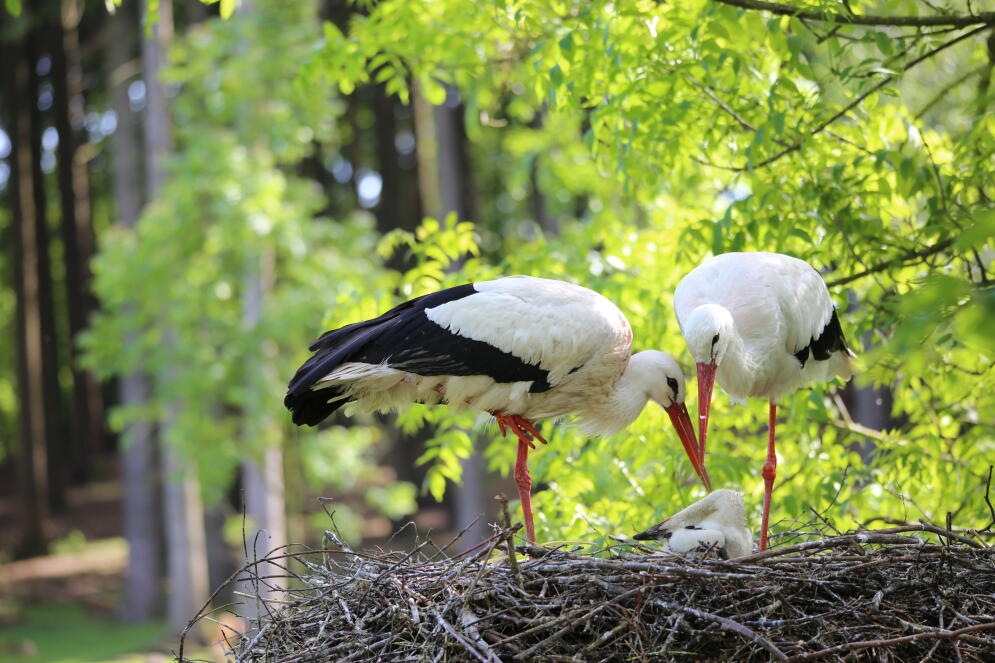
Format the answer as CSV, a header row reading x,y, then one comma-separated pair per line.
x,y
737,369
610,415
737,366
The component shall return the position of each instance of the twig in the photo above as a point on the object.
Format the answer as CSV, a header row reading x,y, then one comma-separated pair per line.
x,y
893,262
959,21
866,644
988,501
512,559
729,625
858,100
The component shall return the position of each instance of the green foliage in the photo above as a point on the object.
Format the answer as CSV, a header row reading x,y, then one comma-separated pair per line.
x,y
660,133
234,231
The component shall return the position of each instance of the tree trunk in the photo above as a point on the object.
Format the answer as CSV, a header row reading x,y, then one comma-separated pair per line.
x,y
186,547
26,253
262,479
86,433
186,555
141,499
56,424
385,130
540,212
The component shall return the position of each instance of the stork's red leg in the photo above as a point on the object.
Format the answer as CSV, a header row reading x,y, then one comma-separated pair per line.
x,y
769,472
524,482
524,431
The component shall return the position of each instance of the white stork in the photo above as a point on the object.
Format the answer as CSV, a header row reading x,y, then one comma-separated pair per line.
x,y
762,324
520,348
718,520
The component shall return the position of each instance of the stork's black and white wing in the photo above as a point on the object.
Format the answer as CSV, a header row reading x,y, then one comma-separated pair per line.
x,y
510,330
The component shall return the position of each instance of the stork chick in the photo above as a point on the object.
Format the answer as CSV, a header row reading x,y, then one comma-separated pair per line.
x,y
717,520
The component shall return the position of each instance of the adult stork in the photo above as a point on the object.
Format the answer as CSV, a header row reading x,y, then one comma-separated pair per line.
x,y
520,348
762,325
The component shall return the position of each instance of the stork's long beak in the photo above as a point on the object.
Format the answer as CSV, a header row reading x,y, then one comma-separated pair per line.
x,y
706,380
685,430
653,533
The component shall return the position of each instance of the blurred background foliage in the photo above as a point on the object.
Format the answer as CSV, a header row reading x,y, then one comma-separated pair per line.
x,y
331,159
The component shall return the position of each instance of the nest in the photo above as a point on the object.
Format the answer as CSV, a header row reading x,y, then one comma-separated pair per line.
x,y
911,593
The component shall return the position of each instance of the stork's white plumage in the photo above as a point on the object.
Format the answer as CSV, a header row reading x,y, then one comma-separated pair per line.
x,y
520,348
762,325
718,520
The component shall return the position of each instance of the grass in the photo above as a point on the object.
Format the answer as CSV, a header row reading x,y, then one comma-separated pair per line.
x,y
65,633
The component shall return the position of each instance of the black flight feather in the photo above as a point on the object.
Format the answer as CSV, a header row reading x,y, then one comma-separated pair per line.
x,y
830,340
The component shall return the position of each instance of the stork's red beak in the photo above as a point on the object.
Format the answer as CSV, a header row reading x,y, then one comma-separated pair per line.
x,y
685,430
706,380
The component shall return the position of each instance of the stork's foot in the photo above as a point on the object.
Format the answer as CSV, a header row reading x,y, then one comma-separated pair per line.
x,y
521,427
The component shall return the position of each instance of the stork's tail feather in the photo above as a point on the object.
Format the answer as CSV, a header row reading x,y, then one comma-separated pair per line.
x,y
311,406
843,363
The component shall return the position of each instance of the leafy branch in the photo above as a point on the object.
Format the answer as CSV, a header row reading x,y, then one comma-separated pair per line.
x,y
794,147
958,21
892,262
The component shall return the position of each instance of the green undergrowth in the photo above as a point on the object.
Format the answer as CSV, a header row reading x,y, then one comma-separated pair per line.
x,y
66,633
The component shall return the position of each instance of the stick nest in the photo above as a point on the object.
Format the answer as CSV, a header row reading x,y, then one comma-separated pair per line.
x,y
899,594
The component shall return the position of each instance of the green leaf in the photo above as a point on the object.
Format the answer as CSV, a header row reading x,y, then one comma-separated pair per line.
x,y
883,42
433,90
227,8
567,43
556,75
14,7
979,232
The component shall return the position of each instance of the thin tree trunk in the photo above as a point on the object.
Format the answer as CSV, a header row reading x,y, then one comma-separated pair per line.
x,y
262,474
385,130
77,230
141,499
186,546
56,432
33,421
262,479
186,555
540,212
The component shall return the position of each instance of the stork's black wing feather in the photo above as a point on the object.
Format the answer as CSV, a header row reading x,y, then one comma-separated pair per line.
x,y
403,338
830,340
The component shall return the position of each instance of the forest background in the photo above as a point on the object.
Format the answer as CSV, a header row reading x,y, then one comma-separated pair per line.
x,y
193,192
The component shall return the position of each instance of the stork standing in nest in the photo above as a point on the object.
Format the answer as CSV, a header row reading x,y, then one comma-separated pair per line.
x,y
519,348
762,325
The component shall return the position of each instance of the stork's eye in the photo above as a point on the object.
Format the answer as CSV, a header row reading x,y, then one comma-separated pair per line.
x,y
692,527
672,383
715,339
